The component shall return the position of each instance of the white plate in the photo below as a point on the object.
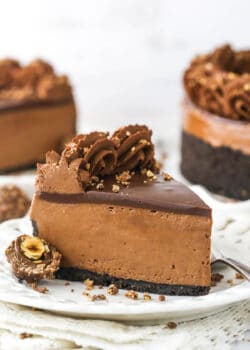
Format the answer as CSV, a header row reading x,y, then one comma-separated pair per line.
x,y
61,299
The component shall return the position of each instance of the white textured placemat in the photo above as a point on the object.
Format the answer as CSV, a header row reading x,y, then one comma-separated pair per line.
x,y
57,332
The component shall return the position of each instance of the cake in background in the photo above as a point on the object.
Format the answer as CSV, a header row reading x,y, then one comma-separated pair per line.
x,y
37,113
114,219
216,122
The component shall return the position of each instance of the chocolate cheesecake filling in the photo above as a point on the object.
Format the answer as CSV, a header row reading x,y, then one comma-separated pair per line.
x,y
128,242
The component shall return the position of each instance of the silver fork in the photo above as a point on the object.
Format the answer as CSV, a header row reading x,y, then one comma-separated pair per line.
x,y
243,269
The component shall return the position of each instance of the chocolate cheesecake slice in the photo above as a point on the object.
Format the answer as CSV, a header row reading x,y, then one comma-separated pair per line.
x,y
37,113
114,219
216,122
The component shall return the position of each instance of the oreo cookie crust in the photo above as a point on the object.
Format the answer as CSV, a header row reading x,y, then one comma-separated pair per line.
x,y
75,274
220,169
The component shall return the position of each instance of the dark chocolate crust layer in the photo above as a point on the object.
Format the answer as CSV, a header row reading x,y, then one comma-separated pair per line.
x,y
159,195
220,169
74,274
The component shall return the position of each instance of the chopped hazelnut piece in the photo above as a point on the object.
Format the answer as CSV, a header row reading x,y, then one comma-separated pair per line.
x,y
25,335
85,293
112,289
161,298
92,297
216,277
171,325
167,177
147,296
239,276
131,294
123,178
100,187
150,173
144,142
101,297
94,179
89,284
246,87
96,297
42,290
115,188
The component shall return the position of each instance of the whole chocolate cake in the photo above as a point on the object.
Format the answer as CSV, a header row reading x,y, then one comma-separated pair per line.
x,y
216,122
114,219
37,113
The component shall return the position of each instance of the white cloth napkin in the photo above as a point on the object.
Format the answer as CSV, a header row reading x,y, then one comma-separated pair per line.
x,y
49,331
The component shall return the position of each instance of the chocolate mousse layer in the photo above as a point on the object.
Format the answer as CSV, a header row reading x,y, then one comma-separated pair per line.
x,y
37,113
137,229
216,122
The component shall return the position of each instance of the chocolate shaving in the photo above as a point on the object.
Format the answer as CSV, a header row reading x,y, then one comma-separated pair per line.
x,y
219,82
33,259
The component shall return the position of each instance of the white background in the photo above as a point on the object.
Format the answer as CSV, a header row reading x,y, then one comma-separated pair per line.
x,y
125,57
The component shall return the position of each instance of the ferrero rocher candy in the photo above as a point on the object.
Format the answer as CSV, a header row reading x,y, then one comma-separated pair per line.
x,y
33,259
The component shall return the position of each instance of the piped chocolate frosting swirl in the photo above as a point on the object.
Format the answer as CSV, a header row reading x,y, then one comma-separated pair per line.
x,y
219,82
87,159
33,259
36,81
134,148
94,152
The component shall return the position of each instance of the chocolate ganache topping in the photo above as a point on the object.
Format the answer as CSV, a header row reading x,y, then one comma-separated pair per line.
x,y
87,159
36,81
219,82
33,259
